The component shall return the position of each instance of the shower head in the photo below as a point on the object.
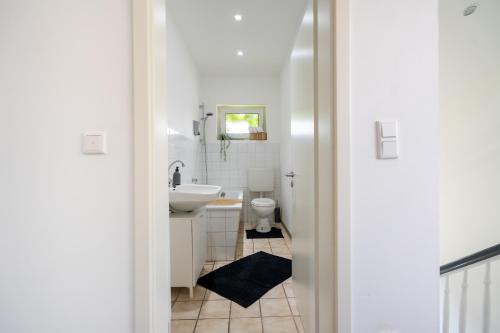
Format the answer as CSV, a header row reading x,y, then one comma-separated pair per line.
x,y
470,9
206,115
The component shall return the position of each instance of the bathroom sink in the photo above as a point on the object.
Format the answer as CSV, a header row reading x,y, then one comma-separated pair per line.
x,y
189,197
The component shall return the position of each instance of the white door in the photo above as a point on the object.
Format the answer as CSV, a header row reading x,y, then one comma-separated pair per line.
x,y
303,161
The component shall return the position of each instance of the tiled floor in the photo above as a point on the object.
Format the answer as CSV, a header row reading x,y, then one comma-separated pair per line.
x,y
207,312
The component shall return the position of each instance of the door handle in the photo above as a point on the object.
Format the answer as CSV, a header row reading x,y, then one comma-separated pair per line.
x,y
290,174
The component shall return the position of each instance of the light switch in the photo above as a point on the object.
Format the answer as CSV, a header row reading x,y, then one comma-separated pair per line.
x,y
389,149
388,129
94,143
387,139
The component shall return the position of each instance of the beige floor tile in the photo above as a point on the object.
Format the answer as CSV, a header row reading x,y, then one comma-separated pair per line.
x,y
245,325
198,294
259,247
215,309
282,252
247,252
205,272
183,326
208,267
298,323
282,249
186,310
248,245
293,306
237,311
279,325
274,307
276,292
212,326
277,242
174,293
261,242
289,290
212,296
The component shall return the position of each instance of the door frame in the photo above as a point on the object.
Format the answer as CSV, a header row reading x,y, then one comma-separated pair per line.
x,y
333,166
341,31
152,306
151,244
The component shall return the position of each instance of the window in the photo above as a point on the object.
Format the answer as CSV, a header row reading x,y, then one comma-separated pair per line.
x,y
236,121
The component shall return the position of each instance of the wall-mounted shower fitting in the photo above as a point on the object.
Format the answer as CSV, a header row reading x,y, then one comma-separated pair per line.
x,y
196,127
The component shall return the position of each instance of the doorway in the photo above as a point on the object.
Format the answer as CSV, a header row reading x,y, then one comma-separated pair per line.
x,y
319,275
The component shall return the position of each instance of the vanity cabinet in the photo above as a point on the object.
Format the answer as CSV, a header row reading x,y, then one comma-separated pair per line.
x,y
188,247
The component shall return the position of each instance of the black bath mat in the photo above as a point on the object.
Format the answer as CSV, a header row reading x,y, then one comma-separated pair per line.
x,y
246,280
274,233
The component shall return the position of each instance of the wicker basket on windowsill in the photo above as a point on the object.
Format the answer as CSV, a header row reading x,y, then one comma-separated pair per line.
x,y
258,136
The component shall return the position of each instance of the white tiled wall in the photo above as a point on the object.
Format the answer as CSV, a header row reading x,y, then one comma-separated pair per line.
x,y
222,233
232,174
186,149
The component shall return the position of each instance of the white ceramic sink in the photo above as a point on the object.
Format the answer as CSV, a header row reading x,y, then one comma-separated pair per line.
x,y
189,197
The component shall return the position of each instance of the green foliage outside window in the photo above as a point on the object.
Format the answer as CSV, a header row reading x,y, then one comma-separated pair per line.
x,y
240,122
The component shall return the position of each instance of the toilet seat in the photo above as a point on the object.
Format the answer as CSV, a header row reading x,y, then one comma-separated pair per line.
x,y
262,202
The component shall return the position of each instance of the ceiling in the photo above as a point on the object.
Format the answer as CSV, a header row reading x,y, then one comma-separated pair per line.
x,y
265,34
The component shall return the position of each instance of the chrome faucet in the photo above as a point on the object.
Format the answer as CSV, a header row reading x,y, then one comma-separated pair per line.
x,y
170,167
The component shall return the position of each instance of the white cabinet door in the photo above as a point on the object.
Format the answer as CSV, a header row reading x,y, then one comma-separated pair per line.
x,y
181,252
199,226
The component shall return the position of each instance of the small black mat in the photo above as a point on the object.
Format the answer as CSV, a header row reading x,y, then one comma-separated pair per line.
x,y
246,280
274,233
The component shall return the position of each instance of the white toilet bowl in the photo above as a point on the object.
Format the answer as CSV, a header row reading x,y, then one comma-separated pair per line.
x,y
263,207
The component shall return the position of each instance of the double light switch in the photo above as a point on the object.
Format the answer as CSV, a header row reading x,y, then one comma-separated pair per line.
x,y
387,137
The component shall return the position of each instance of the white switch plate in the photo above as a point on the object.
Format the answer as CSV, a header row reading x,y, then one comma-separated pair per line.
x,y
387,140
94,142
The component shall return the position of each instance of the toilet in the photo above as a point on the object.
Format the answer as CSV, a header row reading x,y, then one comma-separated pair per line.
x,y
262,180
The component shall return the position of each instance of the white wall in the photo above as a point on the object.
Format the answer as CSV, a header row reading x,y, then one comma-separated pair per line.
x,y
470,127
65,218
395,240
243,90
182,103
286,147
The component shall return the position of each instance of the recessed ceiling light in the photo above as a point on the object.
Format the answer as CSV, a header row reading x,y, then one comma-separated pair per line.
x,y
240,53
238,17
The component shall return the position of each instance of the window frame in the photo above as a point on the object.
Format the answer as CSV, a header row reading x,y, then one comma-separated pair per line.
x,y
224,109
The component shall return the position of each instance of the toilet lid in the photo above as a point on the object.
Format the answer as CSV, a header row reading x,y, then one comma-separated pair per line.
x,y
263,202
